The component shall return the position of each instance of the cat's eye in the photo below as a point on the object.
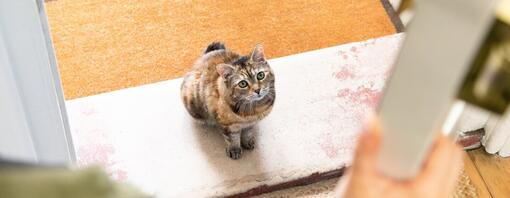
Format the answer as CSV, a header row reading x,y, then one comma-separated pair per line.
x,y
243,84
261,75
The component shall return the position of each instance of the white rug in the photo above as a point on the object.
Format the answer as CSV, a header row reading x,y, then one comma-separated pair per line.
x,y
144,135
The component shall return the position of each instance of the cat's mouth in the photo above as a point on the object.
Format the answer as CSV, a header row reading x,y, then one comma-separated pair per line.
x,y
258,97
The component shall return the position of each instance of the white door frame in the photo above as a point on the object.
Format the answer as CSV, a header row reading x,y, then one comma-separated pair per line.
x,y
33,119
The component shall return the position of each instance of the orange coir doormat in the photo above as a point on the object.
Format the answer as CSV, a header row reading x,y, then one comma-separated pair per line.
x,y
108,45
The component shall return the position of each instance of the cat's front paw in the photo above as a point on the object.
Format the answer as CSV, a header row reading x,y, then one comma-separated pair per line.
x,y
234,152
248,144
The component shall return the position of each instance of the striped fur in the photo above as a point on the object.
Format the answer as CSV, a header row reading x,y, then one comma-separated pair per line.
x,y
212,93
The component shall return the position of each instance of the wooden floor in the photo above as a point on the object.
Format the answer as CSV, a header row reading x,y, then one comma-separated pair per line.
x,y
490,174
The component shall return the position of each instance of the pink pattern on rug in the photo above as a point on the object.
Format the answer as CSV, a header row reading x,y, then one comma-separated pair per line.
x,y
360,100
336,149
344,74
343,54
100,154
95,154
329,147
95,147
360,103
362,95
119,175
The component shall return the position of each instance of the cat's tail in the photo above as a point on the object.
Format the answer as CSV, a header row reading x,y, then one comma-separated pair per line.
x,y
214,46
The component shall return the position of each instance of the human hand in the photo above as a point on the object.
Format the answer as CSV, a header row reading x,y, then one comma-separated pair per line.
x,y
437,177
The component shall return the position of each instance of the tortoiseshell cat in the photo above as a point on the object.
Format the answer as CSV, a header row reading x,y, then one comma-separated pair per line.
x,y
230,91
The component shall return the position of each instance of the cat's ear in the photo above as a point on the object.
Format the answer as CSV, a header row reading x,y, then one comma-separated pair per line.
x,y
258,54
224,70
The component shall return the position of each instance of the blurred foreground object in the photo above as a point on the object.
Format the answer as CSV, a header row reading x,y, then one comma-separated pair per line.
x,y
487,85
24,181
440,43
440,64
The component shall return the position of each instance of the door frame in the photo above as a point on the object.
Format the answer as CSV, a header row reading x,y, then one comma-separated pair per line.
x,y
36,127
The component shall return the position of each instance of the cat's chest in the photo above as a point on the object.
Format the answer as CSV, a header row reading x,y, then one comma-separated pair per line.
x,y
240,126
227,117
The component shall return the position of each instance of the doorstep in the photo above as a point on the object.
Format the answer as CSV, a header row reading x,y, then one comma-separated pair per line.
x,y
143,135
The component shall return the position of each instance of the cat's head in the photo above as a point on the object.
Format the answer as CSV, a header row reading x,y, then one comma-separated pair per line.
x,y
249,82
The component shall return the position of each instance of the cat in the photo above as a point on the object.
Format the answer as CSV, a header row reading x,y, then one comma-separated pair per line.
x,y
230,91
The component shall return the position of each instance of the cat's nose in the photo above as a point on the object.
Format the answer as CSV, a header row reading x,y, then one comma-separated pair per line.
x,y
257,91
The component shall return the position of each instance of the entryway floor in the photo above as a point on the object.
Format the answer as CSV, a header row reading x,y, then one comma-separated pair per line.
x,y
144,135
